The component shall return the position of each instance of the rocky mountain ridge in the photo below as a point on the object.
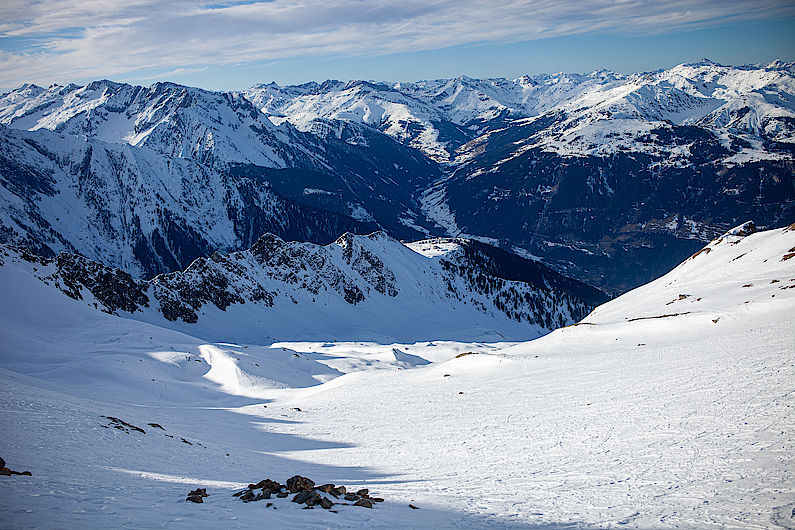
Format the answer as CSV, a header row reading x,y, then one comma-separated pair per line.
x,y
440,116
370,282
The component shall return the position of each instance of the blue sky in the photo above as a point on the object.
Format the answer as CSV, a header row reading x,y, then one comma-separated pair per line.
x,y
232,45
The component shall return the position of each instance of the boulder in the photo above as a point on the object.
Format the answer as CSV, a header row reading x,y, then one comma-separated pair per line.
x,y
364,503
299,483
339,490
247,496
314,499
264,495
270,485
325,488
302,497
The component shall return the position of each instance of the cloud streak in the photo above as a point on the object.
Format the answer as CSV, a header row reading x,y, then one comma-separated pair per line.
x,y
61,40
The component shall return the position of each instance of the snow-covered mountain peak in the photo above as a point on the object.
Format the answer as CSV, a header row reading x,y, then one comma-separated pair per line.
x,y
438,116
172,119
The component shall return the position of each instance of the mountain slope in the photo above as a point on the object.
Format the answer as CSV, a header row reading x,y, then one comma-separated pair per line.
x,y
647,414
150,179
612,178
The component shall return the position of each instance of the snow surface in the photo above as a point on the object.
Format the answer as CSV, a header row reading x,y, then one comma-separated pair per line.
x,y
670,406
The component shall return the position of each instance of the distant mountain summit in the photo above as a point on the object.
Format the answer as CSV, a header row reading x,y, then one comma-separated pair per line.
x,y
439,116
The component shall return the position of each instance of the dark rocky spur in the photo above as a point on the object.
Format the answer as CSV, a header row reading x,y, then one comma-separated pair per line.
x,y
7,472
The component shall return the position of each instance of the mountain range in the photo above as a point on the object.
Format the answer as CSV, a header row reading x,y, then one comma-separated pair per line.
x,y
609,178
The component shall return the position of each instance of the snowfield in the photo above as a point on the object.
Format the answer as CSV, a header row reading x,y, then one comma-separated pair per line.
x,y
670,406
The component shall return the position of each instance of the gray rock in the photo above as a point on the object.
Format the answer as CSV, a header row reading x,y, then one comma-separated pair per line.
x,y
302,497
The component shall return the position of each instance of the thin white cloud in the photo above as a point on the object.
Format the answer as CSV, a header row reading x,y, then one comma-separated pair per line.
x,y
60,40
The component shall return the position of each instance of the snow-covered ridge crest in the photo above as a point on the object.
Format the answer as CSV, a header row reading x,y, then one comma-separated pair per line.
x,y
438,116
147,179
359,284
735,272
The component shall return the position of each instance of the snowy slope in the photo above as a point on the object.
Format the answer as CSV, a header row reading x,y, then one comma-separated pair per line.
x,y
646,414
134,208
177,121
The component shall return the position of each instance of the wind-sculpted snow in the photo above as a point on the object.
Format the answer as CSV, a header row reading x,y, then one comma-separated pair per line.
x,y
373,284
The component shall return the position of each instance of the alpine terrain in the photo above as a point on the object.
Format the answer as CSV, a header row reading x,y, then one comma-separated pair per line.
x,y
669,406
557,301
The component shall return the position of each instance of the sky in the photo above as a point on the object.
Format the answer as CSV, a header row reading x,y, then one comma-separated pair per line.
x,y
231,45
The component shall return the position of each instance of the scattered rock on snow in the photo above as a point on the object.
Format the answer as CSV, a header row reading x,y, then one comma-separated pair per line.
x,y
325,488
365,503
122,425
197,495
302,497
305,493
